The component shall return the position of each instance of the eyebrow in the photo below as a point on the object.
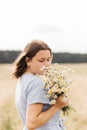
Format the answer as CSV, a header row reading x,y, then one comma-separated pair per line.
x,y
45,58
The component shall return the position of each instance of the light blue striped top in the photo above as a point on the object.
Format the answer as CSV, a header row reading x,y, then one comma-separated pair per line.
x,y
29,91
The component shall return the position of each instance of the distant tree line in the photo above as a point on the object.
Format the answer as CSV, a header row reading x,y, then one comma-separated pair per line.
x,y
70,58
10,56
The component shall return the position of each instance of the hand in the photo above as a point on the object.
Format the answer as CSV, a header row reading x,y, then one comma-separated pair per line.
x,y
62,101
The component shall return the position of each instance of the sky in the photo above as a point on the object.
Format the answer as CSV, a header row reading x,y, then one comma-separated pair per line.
x,y
62,24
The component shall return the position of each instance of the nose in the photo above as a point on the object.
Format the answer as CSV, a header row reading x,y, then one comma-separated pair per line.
x,y
46,63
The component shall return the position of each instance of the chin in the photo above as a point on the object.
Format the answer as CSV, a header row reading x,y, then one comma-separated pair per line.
x,y
40,73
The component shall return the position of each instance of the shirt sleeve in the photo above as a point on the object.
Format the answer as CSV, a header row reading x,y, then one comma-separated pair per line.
x,y
36,94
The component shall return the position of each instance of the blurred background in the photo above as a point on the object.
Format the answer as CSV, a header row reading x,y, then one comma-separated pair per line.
x,y
63,26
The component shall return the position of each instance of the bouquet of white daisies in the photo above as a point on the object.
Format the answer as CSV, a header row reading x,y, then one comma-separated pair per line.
x,y
57,80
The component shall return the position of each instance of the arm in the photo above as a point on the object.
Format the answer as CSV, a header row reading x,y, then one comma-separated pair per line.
x,y
36,118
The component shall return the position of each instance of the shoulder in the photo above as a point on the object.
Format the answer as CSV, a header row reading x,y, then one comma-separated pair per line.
x,y
30,81
34,92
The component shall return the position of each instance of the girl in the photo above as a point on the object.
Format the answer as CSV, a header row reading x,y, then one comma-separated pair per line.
x,y
31,102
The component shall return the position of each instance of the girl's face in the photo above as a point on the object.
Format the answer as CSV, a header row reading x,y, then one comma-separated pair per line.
x,y
42,58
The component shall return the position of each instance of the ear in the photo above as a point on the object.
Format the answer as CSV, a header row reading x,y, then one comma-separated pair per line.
x,y
27,59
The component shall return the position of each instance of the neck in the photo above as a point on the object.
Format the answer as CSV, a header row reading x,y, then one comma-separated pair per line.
x,y
28,71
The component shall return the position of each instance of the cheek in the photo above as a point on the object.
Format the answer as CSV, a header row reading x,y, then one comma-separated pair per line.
x,y
37,65
36,68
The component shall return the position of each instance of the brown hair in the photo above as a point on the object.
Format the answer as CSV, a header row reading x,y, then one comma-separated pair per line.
x,y
30,51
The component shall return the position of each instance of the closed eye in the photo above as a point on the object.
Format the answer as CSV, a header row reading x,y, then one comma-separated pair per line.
x,y
49,59
41,60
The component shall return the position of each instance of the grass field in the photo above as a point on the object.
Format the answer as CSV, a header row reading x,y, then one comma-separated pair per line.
x,y
9,119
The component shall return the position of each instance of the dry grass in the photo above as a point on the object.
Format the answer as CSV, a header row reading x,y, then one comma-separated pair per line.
x,y
9,119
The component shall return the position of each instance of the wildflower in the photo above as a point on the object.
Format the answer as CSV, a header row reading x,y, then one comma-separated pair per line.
x,y
57,80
